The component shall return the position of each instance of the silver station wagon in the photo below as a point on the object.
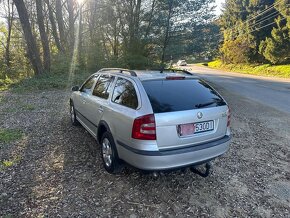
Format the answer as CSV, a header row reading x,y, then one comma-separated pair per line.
x,y
152,120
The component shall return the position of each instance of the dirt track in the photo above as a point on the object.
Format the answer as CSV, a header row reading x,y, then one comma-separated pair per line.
x,y
58,171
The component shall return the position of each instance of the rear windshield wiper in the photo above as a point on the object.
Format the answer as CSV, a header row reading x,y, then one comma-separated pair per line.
x,y
217,101
205,104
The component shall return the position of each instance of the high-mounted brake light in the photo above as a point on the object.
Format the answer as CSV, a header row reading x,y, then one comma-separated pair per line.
x,y
229,118
144,128
175,77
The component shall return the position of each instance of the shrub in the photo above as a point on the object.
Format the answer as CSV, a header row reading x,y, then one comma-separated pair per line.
x,y
238,50
276,48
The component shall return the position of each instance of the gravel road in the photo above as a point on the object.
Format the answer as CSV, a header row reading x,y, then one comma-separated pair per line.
x,y
57,168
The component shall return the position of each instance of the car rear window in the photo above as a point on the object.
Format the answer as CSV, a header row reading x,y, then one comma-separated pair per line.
x,y
179,95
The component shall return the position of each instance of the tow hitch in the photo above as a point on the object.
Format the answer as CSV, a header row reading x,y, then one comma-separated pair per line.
x,y
202,174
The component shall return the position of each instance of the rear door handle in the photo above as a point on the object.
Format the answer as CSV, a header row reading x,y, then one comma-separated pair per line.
x,y
100,109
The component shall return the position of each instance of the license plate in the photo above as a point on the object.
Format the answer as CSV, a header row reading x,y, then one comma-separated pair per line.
x,y
193,128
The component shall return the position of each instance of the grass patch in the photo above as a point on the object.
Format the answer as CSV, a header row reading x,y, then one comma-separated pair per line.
x,y
9,135
6,83
10,163
28,107
202,64
48,82
3,99
8,216
10,110
7,163
281,71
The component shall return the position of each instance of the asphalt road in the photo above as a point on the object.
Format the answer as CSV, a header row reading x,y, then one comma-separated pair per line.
x,y
273,92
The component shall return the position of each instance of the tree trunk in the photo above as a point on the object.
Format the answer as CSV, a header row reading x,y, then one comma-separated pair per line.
x,y
43,36
137,18
150,19
116,41
166,38
32,50
134,8
71,23
53,27
59,18
80,41
10,18
92,20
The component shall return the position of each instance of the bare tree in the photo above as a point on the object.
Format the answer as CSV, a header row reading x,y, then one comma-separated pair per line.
x,y
32,50
43,35
10,19
53,27
150,18
59,18
71,23
167,28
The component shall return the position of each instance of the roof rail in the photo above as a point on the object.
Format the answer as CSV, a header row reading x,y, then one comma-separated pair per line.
x,y
176,70
121,70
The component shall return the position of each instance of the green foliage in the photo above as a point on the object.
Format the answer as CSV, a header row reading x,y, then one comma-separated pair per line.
x,y
60,63
243,20
5,83
238,50
7,163
19,65
130,34
135,61
282,71
9,135
50,82
29,107
276,48
215,64
95,58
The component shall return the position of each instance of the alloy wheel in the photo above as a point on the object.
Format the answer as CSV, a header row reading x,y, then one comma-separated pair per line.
x,y
107,152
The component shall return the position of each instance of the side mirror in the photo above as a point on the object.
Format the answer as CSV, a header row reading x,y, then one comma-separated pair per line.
x,y
75,88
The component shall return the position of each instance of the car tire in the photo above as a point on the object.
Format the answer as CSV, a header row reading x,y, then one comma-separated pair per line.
x,y
109,154
73,117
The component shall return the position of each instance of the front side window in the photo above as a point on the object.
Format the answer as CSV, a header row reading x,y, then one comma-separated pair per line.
x,y
125,94
102,86
88,85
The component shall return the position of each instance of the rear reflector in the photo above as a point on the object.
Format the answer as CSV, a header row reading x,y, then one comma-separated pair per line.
x,y
144,128
175,77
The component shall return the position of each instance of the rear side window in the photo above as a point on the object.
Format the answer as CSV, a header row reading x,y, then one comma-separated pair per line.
x,y
125,94
102,86
179,95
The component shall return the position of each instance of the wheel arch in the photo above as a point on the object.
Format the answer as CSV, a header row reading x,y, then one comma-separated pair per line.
x,y
102,128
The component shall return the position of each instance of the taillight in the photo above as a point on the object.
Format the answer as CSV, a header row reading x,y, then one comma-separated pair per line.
x,y
229,118
144,128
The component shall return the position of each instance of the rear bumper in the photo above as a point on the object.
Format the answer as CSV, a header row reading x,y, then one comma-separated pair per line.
x,y
169,159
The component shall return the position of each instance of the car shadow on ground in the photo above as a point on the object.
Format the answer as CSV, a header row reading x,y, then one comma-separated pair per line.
x,y
131,191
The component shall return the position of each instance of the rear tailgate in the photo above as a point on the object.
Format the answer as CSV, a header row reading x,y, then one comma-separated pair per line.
x,y
187,111
169,127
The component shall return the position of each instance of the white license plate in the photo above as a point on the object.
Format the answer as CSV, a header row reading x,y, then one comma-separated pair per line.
x,y
193,128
